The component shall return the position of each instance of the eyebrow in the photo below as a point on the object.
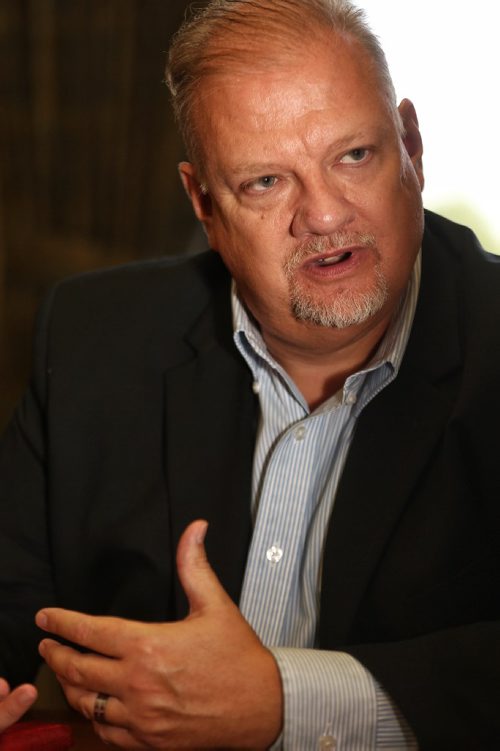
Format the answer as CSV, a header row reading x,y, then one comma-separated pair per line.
x,y
261,168
265,168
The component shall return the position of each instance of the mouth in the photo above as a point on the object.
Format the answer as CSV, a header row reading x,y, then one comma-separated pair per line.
x,y
333,260
335,257
332,265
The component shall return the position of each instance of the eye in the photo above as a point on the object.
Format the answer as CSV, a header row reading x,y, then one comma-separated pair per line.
x,y
355,156
260,184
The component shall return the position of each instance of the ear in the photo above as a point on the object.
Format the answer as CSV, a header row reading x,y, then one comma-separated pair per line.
x,y
412,139
197,193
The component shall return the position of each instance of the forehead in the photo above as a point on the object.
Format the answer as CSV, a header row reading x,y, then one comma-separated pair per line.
x,y
327,88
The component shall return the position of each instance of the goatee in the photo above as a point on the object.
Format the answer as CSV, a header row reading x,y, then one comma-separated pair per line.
x,y
347,306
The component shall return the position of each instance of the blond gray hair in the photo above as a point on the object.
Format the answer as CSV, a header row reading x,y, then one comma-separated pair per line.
x,y
226,33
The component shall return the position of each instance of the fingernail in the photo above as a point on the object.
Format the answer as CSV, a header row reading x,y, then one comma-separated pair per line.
x,y
200,538
41,620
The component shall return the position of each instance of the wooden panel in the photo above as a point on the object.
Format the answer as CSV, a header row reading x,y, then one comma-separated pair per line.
x,y
88,152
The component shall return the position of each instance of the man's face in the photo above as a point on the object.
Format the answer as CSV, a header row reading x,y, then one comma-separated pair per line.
x,y
313,197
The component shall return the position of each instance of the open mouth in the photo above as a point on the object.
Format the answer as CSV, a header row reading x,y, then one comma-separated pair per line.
x,y
333,260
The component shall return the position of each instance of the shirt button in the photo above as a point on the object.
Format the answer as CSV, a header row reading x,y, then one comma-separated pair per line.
x,y
256,387
351,398
299,433
274,554
326,742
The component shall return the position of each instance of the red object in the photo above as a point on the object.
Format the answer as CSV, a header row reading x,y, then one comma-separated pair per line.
x,y
36,736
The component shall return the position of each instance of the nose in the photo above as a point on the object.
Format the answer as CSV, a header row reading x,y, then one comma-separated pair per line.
x,y
321,208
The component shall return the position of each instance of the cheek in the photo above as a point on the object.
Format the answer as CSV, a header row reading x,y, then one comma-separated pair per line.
x,y
375,198
258,271
394,205
252,242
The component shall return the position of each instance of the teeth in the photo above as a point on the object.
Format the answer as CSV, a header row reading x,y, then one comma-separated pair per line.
x,y
333,260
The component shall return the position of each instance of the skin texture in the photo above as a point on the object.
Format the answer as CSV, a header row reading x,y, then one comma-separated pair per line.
x,y
294,155
13,704
299,152
206,682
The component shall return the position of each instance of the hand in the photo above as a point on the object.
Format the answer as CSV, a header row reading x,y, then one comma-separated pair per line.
x,y
13,704
204,682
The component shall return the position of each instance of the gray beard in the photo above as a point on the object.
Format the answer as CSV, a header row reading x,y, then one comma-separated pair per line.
x,y
348,307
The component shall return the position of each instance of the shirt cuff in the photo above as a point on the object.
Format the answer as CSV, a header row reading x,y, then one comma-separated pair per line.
x,y
393,731
330,694
326,693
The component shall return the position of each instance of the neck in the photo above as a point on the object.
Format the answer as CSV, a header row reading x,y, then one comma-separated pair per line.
x,y
321,368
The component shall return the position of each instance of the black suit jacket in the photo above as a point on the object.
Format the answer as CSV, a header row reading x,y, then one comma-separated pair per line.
x,y
140,418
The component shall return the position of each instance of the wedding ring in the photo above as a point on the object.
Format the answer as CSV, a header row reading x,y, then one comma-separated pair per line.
x,y
100,708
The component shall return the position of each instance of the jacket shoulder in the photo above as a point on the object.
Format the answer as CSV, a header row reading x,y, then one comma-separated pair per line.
x,y
473,271
173,290
128,313
458,242
173,281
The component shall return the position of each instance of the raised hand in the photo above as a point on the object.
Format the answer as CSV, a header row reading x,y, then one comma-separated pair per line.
x,y
204,682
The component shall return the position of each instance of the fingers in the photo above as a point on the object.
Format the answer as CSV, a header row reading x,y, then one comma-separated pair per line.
x,y
94,672
14,704
198,580
4,688
116,727
101,634
115,713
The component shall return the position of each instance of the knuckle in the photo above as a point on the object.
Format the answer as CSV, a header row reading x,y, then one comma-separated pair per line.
x,y
143,647
83,631
73,673
154,737
150,720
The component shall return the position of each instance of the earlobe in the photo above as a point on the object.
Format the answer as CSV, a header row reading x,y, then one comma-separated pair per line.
x,y
412,139
196,191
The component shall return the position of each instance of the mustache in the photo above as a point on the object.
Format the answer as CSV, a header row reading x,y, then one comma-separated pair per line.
x,y
325,243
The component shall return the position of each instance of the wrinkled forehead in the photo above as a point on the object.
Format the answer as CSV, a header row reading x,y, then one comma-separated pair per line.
x,y
239,51
242,84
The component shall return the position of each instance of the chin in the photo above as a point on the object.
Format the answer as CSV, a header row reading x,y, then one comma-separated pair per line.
x,y
346,308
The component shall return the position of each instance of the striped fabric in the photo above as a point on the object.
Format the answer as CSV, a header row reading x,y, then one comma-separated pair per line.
x,y
299,457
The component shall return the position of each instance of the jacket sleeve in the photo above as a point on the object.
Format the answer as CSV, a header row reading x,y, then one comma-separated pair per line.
x,y
25,570
445,683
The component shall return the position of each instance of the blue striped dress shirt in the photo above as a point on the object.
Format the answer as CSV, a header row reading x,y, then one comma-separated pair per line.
x,y
331,700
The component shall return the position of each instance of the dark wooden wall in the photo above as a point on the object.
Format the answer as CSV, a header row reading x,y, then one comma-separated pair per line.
x,y
88,152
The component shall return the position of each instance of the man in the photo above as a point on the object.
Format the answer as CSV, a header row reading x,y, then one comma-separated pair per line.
x,y
326,406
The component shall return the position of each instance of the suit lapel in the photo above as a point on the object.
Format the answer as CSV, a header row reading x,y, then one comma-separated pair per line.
x,y
210,436
394,438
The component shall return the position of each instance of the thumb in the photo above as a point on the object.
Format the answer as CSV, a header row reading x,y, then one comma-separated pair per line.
x,y
197,577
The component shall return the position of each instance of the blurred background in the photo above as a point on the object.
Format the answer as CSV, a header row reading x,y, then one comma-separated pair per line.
x,y
88,147
88,153
445,57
